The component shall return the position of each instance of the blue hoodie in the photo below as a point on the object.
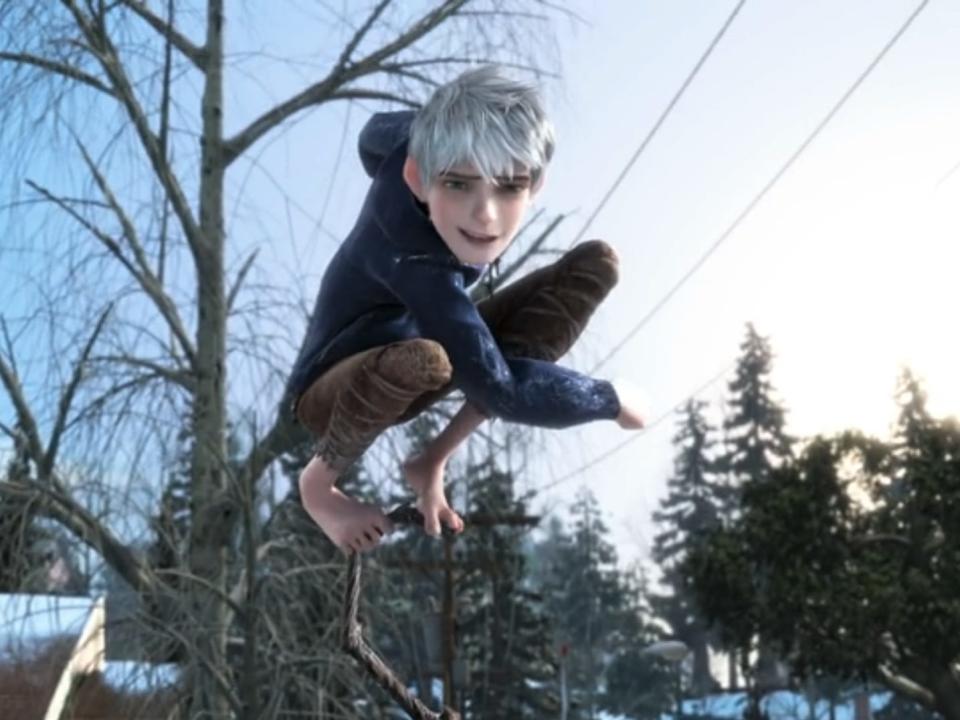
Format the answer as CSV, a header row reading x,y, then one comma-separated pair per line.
x,y
394,279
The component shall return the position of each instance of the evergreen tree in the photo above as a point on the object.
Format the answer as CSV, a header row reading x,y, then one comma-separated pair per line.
x,y
19,534
846,558
636,684
504,631
413,588
588,602
692,506
502,635
756,444
35,555
755,427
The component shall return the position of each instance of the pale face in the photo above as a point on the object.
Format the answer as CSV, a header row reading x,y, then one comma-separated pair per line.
x,y
476,219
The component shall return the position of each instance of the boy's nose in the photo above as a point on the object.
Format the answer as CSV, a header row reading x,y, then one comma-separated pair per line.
x,y
485,209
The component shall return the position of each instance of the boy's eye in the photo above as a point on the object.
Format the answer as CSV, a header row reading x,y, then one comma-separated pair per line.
x,y
455,184
512,188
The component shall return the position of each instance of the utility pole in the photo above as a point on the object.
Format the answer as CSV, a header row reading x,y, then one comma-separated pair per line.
x,y
449,567
449,623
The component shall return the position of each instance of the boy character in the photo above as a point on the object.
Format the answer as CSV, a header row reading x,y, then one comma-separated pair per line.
x,y
394,329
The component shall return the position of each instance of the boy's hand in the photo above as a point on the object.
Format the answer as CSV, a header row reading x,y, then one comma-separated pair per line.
x,y
630,418
425,477
632,407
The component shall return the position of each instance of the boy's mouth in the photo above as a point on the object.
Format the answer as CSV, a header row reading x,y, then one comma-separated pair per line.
x,y
477,238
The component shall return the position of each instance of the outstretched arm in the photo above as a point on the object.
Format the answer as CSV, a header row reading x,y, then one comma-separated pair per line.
x,y
516,389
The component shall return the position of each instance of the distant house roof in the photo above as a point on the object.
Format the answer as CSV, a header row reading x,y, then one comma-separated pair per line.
x,y
53,647
30,621
40,639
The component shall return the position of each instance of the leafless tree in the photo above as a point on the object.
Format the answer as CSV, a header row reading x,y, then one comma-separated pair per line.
x,y
130,294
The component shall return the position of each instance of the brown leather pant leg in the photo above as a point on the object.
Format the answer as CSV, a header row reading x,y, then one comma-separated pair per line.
x,y
362,395
541,315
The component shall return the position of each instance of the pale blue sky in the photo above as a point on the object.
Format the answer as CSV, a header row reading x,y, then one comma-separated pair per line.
x,y
849,263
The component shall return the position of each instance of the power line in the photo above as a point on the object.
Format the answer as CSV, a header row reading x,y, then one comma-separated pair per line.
x,y
663,116
766,188
720,240
630,439
950,173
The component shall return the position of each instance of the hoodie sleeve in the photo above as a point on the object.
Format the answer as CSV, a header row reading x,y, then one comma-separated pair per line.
x,y
382,133
520,390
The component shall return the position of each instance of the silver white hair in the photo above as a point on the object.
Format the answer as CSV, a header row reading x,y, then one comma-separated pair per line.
x,y
485,119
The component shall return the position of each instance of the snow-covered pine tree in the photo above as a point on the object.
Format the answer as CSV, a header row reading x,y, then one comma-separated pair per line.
x,y
693,505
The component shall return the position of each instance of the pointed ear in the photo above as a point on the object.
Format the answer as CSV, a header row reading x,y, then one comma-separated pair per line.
x,y
411,176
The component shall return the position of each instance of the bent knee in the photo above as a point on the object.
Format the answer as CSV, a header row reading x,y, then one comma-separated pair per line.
x,y
419,364
597,258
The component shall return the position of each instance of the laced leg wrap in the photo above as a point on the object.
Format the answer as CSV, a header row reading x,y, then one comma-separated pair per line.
x,y
385,388
546,324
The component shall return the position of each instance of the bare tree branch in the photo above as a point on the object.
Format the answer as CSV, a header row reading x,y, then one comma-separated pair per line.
x,y
163,139
46,463
25,419
103,49
362,94
878,538
196,54
179,377
118,389
58,68
282,437
240,588
235,606
211,667
420,29
325,89
57,505
361,32
144,278
532,250
241,276
906,686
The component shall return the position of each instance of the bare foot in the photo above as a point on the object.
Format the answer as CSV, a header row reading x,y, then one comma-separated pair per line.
x,y
349,523
425,478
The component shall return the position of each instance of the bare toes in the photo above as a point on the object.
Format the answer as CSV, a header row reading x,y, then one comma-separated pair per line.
x,y
372,539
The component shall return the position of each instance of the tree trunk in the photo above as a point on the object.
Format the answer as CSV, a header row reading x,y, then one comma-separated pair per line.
x,y
767,667
702,680
211,517
946,692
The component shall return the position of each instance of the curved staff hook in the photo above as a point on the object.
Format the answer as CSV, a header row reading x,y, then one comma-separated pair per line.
x,y
354,643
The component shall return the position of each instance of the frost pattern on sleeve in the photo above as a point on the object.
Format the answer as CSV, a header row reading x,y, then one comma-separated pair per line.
x,y
522,390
